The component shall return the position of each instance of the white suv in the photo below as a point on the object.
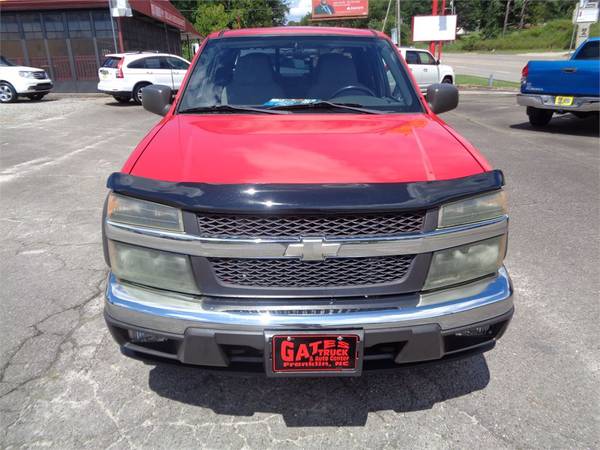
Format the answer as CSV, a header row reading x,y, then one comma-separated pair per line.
x,y
124,75
22,81
425,68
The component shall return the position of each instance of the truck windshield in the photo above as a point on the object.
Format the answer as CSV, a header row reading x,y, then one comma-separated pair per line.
x,y
299,74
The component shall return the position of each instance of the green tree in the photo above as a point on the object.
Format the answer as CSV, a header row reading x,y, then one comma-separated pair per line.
x,y
211,17
187,8
214,15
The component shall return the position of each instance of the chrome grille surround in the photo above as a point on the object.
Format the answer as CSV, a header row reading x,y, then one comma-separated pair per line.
x,y
225,226
39,75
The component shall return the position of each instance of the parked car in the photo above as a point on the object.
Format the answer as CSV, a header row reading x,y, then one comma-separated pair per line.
x,y
316,221
22,81
567,86
124,75
426,69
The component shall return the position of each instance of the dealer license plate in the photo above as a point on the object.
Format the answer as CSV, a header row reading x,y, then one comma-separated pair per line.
x,y
563,101
315,353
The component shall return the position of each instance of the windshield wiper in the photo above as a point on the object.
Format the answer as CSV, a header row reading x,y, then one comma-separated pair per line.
x,y
217,109
329,105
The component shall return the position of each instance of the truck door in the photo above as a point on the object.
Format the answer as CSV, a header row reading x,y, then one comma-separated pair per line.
x,y
430,68
414,64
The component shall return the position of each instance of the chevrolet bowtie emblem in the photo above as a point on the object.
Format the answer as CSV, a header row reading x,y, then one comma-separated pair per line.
x,y
315,249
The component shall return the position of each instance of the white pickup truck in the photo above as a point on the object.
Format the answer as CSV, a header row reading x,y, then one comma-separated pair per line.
x,y
426,69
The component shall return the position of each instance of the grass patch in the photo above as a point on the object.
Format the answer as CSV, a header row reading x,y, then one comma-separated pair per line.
x,y
470,80
554,35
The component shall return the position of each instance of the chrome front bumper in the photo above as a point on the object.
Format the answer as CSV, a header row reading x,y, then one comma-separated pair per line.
x,y
580,104
172,313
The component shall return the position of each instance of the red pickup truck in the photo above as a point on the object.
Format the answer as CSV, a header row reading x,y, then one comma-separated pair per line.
x,y
301,210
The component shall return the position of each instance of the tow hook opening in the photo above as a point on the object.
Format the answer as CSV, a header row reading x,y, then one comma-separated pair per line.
x,y
474,336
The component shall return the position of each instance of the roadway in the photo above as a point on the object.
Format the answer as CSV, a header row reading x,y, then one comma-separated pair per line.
x,y
505,67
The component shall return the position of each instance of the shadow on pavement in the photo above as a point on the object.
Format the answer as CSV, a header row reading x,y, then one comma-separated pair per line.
x,y
306,402
33,102
566,124
122,105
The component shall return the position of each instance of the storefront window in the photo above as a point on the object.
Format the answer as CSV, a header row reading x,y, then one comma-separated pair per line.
x,y
79,25
34,39
103,29
11,38
82,45
102,24
54,25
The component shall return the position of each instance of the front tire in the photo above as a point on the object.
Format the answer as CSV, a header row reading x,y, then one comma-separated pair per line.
x,y
539,117
137,92
7,93
447,80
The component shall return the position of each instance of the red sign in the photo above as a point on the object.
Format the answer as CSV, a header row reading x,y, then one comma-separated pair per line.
x,y
300,353
162,14
339,9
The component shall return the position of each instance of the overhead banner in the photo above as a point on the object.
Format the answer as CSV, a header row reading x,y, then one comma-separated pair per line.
x,y
339,9
433,28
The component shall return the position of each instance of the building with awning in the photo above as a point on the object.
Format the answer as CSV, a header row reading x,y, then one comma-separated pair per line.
x,y
69,38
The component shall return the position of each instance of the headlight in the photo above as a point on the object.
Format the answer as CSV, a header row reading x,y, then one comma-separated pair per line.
x,y
25,74
474,209
155,268
141,212
467,262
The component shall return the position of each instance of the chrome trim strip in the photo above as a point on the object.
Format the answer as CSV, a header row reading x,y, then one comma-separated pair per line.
x,y
408,244
174,313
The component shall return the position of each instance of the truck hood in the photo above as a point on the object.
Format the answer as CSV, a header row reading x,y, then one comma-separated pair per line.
x,y
304,148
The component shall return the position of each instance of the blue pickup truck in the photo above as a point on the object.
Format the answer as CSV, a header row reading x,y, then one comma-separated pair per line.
x,y
572,85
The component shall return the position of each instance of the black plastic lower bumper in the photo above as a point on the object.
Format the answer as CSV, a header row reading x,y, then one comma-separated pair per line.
x,y
245,351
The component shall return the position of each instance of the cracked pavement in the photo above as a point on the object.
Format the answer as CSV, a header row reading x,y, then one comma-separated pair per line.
x,y
64,383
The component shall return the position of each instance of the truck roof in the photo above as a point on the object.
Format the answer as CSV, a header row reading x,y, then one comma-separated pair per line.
x,y
286,31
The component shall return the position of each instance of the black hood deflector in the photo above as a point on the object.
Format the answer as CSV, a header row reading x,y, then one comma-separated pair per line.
x,y
304,198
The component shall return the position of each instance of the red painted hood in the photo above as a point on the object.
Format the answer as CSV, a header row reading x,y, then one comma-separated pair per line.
x,y
304,148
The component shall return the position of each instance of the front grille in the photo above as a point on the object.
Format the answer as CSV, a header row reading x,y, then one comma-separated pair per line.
x,y
39,75
295,226
42,86
294,273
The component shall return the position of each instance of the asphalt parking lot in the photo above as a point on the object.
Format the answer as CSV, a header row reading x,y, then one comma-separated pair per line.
x,y
66,385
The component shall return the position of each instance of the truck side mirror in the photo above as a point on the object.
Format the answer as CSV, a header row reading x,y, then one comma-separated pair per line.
x,y
442,97
156,98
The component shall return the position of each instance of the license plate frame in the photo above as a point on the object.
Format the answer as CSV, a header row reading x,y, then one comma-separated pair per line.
x,y
354,339
563,100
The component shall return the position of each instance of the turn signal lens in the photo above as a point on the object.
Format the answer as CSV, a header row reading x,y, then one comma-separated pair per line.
x,y
473,209
132,211
468,262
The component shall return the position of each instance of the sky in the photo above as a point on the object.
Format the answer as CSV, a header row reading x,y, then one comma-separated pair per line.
x,y
298,9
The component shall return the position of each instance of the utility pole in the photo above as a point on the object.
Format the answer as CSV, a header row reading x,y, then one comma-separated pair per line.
x,y
434,12
398,22
112,25
506,17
